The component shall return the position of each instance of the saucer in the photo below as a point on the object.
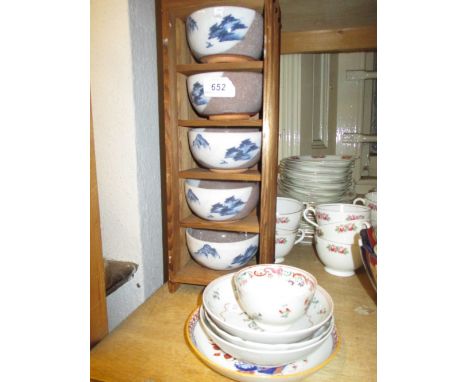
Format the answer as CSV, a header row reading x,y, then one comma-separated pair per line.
x,y
230,367
221,305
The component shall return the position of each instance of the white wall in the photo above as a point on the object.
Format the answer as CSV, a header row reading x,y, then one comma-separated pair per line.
x,y
125,116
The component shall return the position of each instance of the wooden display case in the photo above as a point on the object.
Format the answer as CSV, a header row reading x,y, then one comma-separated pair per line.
x,y
178,63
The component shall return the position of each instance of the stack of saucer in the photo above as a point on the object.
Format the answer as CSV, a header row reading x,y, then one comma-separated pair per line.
x,y
290,340
317,180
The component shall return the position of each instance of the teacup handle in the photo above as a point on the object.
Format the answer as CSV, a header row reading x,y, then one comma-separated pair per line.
x,y
301,237
304,215
363,201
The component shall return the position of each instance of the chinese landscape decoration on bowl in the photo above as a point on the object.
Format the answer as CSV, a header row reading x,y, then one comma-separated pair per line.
x,y
225,34
226,95
221,250
226,149
221,200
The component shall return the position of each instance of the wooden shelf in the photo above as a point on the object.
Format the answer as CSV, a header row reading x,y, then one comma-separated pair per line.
x,y
312,26
202,173
250,66
248,224
194,273
209,123
178,62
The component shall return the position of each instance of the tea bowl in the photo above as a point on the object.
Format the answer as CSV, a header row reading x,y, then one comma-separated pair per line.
x,y
225,149
274,295
339,259
226,95
225,33
221,200
221,250
285,241
261,357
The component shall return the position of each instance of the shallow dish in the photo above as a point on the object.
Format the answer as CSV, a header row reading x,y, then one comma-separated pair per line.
x,y
226,149
265,358
220,303
239,95
230,367
225,33
221,200
323,332
221,250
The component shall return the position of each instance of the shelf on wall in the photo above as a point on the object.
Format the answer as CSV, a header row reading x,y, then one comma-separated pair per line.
x,y
220,123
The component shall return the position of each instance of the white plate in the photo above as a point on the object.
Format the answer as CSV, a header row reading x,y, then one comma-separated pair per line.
x,y
220,303
230,367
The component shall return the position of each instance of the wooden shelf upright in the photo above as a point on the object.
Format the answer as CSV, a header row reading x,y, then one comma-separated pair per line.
x,y
178,63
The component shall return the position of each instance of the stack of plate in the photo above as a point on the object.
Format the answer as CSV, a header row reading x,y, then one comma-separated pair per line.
x,y
230,342
317,180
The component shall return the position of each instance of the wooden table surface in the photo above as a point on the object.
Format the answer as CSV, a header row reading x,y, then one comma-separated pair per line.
x,y
149,346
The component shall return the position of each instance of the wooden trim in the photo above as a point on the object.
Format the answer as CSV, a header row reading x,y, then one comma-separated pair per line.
x,y
98,307
203,173
332,40
219,123
249,66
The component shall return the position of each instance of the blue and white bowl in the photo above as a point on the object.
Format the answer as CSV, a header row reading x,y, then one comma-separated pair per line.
x,y
226,148
221,250
221,200
242,95
218,32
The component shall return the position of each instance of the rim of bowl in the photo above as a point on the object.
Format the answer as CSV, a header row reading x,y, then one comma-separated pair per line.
x,y
240,185
207,9
253,235
224,130
289,267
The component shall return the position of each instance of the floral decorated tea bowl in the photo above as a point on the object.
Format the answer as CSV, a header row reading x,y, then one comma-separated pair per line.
x,y
226,149
226,95
225,33
274,295
221,250
339,259
343,232
221,200
337,212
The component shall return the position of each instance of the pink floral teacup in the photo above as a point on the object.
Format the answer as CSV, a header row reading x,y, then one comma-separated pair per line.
x,y
284,242
370,200
339,259
288,213
344,232
337,212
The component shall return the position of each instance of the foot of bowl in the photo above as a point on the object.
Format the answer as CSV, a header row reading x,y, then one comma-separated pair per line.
x,y
225,58
224,117
335,272
279,260
229,171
